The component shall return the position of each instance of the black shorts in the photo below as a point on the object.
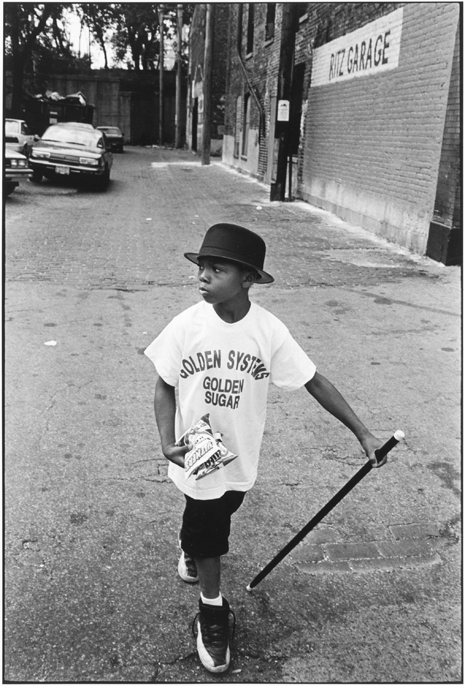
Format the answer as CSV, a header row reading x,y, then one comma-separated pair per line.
x,y
206,524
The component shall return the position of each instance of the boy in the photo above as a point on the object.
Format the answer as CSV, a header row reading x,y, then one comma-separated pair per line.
x,y
219,356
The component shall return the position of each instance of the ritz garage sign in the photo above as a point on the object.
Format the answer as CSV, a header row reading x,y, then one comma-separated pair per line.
x,y
370,50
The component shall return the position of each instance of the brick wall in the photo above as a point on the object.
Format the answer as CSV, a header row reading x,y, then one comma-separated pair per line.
x,y
320,21
372,144
258,73
447,208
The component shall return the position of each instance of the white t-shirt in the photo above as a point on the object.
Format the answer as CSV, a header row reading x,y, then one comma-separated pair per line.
x,y
224,370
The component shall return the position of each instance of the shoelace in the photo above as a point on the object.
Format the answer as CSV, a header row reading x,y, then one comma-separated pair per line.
x,y
216,631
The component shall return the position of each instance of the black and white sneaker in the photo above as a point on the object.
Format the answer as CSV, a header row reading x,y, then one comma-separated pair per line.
x,y
187,568
211,629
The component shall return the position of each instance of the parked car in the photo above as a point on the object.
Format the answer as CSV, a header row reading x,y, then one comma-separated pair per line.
x,y
79,125
72,149
114,136
15,168
18,136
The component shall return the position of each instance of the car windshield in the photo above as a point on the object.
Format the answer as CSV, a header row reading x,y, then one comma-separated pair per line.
x,y
11,126
110,130
75,136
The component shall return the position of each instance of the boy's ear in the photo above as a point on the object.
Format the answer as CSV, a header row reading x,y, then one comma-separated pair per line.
x,y
249,279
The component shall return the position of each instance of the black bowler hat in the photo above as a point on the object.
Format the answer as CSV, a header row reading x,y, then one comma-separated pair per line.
x,y
235,243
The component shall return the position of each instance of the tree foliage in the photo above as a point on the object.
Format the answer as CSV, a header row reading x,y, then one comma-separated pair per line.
x,y
100,18
136,38
132,30
137,30
37,37
32,30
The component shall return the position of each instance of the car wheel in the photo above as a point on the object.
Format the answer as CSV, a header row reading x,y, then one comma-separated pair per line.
x,y
104,180
36,176
9,188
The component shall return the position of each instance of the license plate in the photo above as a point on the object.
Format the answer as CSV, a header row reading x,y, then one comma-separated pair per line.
x,y
62,170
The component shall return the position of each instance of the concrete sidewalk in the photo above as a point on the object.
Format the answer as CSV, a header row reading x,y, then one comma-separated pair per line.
x,y
373,594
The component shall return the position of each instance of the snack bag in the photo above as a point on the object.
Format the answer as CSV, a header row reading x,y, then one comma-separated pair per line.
x,y
207,452
216,461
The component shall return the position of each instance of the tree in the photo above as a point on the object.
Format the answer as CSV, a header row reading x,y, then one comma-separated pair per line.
x,y
100,17
28,25
188,11
132,29
137,29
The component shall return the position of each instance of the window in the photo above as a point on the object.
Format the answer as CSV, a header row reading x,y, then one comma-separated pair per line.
x,y
246,127
250,27
238,127
270,19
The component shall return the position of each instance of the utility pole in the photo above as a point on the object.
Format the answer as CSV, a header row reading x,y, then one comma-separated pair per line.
x,y
282,128
161,11
90,54
207,84
178,138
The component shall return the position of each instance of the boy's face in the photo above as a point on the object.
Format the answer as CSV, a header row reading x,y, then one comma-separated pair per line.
x,y
222,281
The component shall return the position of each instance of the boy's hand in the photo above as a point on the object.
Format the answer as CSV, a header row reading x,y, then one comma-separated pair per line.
x,y
175,453
332,401
370,443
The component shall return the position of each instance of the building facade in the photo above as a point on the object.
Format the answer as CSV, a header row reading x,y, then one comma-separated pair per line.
x,y
195,79
365,99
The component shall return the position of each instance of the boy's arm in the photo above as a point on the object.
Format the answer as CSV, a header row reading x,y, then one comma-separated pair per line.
x,y
331,400
165,410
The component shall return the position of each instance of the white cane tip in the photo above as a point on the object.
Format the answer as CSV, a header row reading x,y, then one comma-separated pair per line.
x,y
399,435
247,588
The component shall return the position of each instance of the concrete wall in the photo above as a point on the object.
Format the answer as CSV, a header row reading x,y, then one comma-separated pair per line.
x,y
111,108
127,99
373,137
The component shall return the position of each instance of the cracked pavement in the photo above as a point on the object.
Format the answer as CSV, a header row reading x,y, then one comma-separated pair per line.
x,y
91,519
